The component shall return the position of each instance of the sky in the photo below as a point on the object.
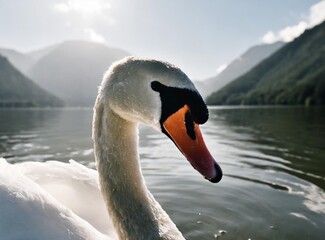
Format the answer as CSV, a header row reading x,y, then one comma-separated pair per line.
x,y
199,36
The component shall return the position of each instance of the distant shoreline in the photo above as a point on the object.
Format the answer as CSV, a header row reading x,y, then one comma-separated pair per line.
x,y
261,106
45,108
209,106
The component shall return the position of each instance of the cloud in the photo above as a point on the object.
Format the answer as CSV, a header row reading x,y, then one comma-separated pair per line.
x,y
94,36
62,7
316,16
83,15
86,7
221,68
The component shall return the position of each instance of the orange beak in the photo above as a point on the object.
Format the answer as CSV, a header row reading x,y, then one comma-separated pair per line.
x,y
188,138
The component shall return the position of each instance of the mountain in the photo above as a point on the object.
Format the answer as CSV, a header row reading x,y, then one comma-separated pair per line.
x,y
73,70
24,61
16,90
39,53
238,67
295,75
19,60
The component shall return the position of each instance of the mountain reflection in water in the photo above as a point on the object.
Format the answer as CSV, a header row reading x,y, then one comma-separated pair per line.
x,y
272,159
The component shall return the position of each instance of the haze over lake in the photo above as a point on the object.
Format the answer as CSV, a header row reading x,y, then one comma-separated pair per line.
x,y
272,158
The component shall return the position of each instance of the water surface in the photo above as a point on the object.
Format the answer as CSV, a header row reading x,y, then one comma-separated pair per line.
x,y
272,158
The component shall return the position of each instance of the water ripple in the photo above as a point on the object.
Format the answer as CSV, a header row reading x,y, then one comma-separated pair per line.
x,y
270,184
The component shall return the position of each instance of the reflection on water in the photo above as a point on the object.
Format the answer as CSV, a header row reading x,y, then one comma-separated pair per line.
x,y
40,135
292,137
272,158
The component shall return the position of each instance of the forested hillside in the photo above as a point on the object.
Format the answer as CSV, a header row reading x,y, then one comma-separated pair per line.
x,y
16,90
293,75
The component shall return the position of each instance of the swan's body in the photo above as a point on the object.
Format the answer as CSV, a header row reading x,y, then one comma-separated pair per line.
x,y
51,201
133,90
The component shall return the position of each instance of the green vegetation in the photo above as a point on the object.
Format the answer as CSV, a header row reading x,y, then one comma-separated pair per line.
x,y
238,67
294,75
18,91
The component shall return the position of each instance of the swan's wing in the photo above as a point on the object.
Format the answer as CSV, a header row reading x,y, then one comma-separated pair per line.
x,y
35,198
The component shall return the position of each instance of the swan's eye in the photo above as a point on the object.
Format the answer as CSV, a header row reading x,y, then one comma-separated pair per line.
x,y
189,124
156,86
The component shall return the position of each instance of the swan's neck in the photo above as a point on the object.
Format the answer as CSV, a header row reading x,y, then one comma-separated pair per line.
x,y
134,211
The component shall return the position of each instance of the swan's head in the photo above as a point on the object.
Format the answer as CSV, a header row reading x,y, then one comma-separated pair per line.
x,y
161,95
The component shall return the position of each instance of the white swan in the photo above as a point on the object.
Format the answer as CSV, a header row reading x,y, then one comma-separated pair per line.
x,y
133,90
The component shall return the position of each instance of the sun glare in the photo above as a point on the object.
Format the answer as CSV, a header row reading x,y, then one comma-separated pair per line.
x,y
86,7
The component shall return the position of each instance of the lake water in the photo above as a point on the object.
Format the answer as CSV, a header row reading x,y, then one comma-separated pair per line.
x,y
273,161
